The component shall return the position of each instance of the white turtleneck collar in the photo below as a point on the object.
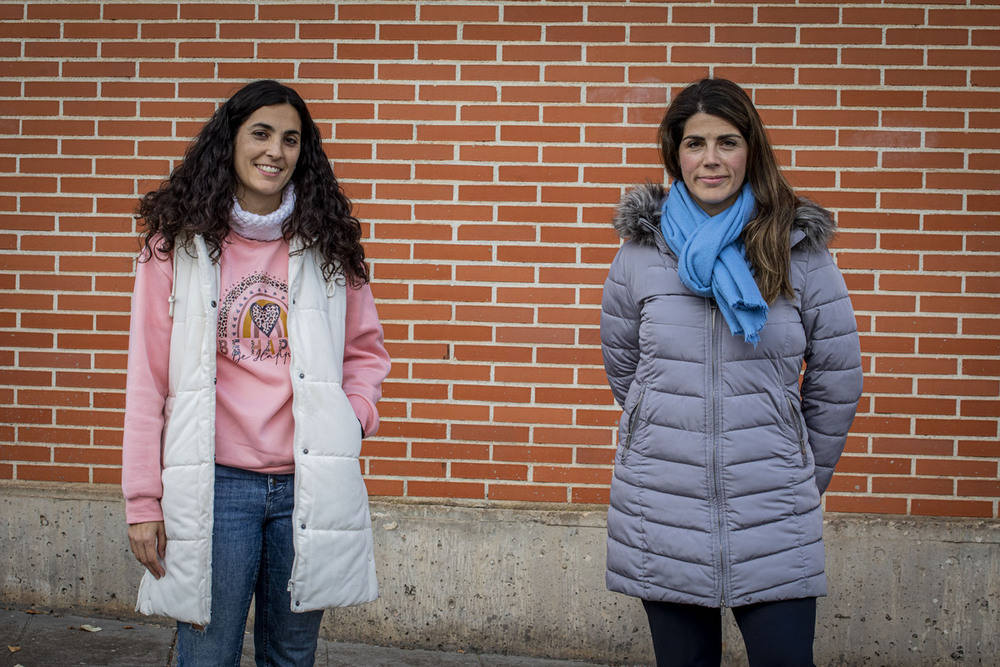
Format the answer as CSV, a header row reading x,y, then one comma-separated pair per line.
x,y
263,227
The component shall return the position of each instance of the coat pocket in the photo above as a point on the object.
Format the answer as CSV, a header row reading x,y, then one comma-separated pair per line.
x,y
799,426
633,422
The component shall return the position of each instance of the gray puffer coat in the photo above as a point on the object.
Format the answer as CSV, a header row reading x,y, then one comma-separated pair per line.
x,y
722,455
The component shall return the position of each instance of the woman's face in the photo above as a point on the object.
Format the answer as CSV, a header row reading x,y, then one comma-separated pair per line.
x,y
265,152
713,159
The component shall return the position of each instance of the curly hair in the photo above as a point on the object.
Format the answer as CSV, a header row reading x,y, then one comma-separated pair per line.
x,y
766,235
198,196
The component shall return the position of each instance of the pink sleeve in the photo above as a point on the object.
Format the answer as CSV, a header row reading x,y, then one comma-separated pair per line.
x,y
146,390
366,362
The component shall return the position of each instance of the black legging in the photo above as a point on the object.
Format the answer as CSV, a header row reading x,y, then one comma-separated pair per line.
x,y
776,634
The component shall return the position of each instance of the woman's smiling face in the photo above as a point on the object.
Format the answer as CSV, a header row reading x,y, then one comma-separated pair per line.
x,y
713,161
265,152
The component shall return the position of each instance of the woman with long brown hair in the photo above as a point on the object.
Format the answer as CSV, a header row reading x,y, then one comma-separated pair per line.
x,y
723,289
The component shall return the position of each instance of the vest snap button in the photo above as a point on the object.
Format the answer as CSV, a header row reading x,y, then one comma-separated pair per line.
x,y
305,451
302,376
213,303
303,526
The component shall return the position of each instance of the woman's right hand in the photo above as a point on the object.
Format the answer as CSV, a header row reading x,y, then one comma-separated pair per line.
x,y
149,545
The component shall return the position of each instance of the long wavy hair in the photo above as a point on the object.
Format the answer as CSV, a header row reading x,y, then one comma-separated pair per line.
x,y
766,234
198,196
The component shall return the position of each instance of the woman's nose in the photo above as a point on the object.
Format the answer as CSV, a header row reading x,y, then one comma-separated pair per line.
x,y
711,155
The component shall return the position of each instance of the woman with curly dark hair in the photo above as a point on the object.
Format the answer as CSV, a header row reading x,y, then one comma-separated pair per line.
x,y
255,362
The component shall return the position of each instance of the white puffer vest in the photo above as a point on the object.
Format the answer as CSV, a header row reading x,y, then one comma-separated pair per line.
x,y
334,562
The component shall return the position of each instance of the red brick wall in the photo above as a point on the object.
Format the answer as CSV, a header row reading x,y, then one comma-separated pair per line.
x,y
485,144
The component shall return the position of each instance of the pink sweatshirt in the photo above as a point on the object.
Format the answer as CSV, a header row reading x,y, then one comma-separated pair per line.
x,y
254,424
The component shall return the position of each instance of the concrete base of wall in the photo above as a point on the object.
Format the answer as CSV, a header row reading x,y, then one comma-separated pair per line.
x,y
529,580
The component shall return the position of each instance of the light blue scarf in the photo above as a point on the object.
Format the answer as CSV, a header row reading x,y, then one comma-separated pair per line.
x,y
711,259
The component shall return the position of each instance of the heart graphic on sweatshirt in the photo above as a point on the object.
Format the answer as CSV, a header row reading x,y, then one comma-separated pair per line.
x,y
265,316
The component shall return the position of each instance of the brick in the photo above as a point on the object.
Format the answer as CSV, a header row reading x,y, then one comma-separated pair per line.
x,y
458,93
450,451
754,74
590,496
974,99
983,408
453,172
926,36
839,35
581,74
384,487
941,507
453,52
978,487
537,53
460,13
412,72
536,174
495,274
700,54
894,16
215,50
915,406
985,37
533,455
571,475
974,140
962,180
863,504
966,58
502,33
25,453
489,471
922,159
88,455
492,353
527,493
956,427
984,120
640,54
62,436
543,14
913,485
988,447
924,77
53,473
445,489
912,446
407,468
868,465
76,11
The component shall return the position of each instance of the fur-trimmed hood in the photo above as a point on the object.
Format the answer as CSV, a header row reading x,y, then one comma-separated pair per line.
x,y
637,218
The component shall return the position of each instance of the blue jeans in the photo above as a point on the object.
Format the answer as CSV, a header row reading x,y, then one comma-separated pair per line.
x,y
252,556
776,634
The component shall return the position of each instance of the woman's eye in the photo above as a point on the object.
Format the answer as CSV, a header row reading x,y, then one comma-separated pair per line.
x,y
291,141
260,134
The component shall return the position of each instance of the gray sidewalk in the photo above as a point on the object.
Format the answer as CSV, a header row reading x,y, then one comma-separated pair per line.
x,y
32,638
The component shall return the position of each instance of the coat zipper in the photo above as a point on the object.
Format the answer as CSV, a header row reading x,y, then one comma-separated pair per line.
x,y
631,425
715,461
797,423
